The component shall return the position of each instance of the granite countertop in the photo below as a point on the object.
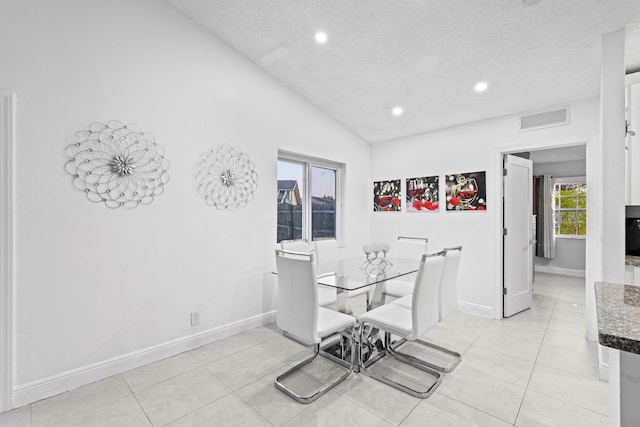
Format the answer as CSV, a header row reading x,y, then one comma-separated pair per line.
x,y
618,316
632,260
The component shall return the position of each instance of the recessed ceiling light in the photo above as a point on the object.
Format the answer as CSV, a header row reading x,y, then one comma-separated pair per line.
x,y
397,111
321,37
481,86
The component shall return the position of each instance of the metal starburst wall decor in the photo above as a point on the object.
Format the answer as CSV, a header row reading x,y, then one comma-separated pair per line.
x,y
118,165
225,177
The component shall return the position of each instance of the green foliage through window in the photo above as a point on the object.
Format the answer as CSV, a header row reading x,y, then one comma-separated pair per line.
x,y
570,205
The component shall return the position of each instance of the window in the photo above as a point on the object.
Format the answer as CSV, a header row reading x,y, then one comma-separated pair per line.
x,y
308,198
570,205
290,204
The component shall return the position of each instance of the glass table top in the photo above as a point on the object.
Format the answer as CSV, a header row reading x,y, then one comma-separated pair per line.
x,y
356,273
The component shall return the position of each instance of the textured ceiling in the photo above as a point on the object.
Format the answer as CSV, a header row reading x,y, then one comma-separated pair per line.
x,y
424,55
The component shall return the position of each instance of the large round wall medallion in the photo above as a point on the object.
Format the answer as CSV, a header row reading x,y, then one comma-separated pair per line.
x,y
118,165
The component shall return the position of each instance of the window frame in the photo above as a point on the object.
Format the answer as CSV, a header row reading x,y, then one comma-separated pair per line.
x,y
565,181
308,162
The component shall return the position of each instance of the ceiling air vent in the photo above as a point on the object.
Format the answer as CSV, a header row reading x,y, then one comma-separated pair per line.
x,y
544,119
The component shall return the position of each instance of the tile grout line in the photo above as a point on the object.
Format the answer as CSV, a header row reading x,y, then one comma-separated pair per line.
x,y
171,378
287,364
370,411
473,407
468,405
565,372
557,298
535,363
137,401
256,410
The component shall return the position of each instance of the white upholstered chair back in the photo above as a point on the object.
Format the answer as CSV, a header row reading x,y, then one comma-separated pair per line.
x,y
424,303
448,285
297,246
411,247
408,248
297,295
326,295
326,250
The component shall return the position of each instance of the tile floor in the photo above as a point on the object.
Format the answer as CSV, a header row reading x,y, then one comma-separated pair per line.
x,y
534,369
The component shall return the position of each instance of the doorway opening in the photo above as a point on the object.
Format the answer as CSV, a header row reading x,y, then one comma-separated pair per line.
x,y
563,161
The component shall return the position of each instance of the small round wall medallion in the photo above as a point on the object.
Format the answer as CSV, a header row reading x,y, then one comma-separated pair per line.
x,y
226,177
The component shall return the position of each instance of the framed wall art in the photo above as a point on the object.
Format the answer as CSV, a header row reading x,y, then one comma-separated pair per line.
x,y
422,194
466,191
386,196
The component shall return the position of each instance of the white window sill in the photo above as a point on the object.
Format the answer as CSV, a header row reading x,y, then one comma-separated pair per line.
x,y
570,236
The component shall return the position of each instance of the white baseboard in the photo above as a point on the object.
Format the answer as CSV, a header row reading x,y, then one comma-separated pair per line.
x,y
479,310
604,354
559,270
603,372
55,384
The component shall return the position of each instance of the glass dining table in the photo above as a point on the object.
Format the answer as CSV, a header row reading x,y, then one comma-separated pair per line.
x,y
355,276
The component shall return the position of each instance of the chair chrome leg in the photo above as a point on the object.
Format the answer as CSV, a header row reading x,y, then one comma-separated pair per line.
x,y
416,393
341,351
294,338
457,358
315,396
326,348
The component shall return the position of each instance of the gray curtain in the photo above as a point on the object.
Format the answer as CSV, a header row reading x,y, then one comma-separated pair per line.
x,y
543,209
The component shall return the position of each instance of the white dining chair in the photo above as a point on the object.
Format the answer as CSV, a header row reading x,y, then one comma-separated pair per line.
x,y
408,248
447,303
326,251
300,316
448,293
326,294
299,245
408,324
448,285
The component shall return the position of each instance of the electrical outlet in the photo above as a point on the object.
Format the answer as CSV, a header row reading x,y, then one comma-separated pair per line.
x,y
195,318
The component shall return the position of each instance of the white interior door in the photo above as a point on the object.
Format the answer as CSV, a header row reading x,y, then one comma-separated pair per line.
x,y
518,241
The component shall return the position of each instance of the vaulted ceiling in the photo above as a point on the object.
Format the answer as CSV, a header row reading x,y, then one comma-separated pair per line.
x,y
424,56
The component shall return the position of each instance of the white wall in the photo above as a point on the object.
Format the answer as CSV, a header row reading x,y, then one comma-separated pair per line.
x,y
99,290
561,169
634,143
468,148
570,257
